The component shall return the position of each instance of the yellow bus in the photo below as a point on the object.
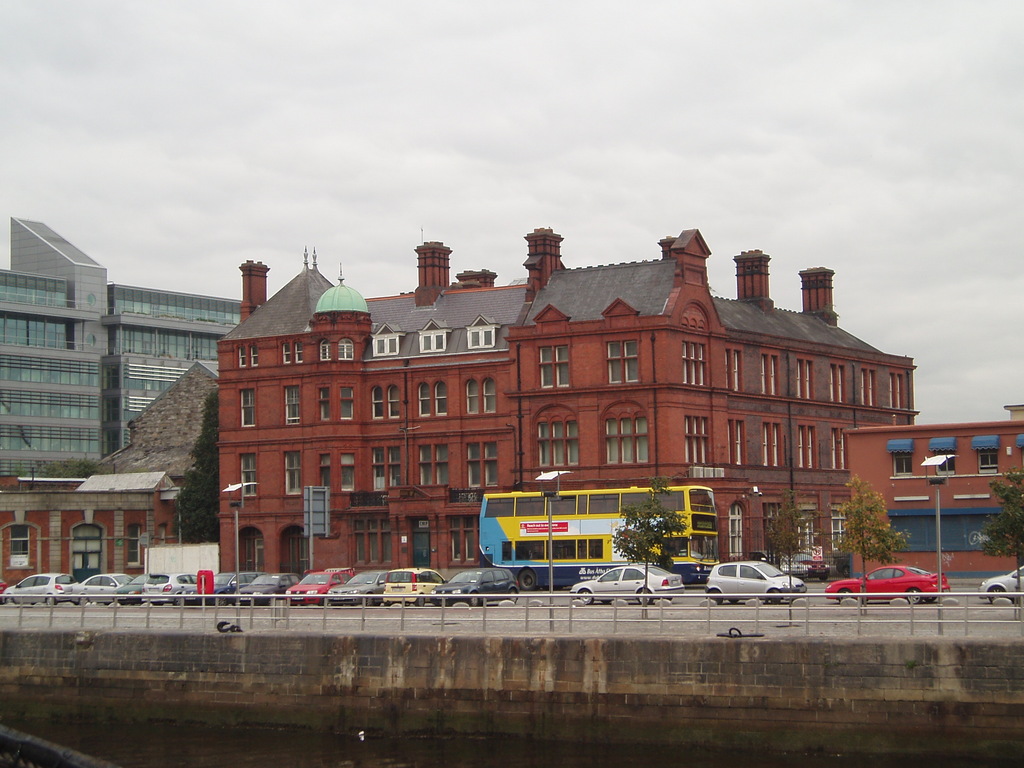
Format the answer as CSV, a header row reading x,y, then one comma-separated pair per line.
x,y
514,533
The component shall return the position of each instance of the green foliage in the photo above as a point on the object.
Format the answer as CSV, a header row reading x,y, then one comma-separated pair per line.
x,y
74,468
199,499
787,529
867,531
643,534
1004,533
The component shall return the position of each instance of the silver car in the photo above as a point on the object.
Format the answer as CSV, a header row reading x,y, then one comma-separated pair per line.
x,y
101,587
1005,583
365,586
49,588
168,587
753,577
628,578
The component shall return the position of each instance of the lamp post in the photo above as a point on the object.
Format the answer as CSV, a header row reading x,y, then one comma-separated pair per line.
x,y
936,480
555,475
236,505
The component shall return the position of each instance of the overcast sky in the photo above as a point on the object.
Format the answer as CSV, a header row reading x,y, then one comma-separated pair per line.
x,y
172,141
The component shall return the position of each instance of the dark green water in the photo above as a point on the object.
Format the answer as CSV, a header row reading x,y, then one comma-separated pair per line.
x,y
173,746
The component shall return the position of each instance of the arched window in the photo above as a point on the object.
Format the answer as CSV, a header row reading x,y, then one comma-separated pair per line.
x,y
625,440
558,443
423,392
736,531
377,401
250,549
440,398
490,396
394,402
325,349
472,396
346,349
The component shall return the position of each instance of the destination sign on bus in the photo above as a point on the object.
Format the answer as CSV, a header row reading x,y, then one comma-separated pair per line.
x,y
538,528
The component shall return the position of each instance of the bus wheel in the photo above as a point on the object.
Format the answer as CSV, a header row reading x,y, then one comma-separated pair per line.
x,y
527,580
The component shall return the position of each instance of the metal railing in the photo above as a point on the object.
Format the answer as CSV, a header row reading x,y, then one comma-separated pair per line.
x,y
956,614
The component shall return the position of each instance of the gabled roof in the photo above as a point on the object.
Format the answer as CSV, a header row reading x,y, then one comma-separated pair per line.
x,y
286,312
133,481
453,309
585,293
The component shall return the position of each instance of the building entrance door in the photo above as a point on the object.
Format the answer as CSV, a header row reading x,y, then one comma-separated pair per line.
x,y
86,551
421,544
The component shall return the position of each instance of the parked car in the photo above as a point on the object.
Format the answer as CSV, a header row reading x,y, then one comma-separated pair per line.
x,y
101,587
751,577
227,582
806,566
49,588
313,587
912,582
132,592
168,587
258,591
472,586
1005,583
628,578
365,586
407,585
3,586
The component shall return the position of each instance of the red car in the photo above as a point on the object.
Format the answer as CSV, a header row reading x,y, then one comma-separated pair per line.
x,y
907,579
314,585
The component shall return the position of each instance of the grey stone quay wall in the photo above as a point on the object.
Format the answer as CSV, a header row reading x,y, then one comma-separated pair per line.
x,y
855,695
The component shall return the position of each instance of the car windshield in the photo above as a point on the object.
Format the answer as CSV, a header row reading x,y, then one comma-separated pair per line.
x,y
140,579
769,570
917,571
654,570
315,578
259,580
466,577
366,577
223,579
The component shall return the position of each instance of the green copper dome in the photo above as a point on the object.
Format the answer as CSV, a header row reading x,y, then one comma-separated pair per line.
x,y
341,298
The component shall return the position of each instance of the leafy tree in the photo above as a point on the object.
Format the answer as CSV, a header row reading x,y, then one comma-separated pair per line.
x,y
646,527
74,468
787,529
1004,533
199,499
867,531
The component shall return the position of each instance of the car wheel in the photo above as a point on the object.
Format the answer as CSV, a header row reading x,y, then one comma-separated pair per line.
x,y
714,594
527,580
513,591
50,601
914,596
419,601
585,596
644,591
993,592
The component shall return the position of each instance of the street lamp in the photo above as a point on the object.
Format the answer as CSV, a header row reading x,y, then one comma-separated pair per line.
x,y
555,475
937,461
235,505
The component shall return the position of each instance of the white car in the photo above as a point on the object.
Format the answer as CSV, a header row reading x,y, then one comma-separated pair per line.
x,y
628,578
49,588
753,577
101,587
166,587
1005,583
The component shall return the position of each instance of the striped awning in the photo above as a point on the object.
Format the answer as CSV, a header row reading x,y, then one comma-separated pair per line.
x,y
942,445
900,445
985,442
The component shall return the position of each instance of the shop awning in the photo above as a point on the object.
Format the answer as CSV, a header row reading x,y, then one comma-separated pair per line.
x,y
1020,441
985,442
942,445
900,445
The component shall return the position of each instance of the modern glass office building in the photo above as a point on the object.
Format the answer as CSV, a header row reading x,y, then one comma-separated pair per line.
x,y
81,357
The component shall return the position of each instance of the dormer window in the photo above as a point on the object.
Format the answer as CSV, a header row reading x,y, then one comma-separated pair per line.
x,y
481,334
385,344
433,340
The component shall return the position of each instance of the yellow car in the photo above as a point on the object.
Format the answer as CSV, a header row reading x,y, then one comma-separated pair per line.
x,y
409,585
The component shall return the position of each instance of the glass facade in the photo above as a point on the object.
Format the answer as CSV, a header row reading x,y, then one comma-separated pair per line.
x,y
181,306
18,288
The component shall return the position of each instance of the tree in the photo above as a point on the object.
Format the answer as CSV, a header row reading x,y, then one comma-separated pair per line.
x,y
74,468
867,531
199,499
646,527
787,529
1004,533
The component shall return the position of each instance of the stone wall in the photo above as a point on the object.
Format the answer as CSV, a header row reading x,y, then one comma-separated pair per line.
x,y
857,695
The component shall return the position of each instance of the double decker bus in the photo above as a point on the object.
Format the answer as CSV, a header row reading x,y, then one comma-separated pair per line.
x,y
514,533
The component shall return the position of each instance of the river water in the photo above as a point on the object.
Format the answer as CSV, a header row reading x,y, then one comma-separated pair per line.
x,y
178,746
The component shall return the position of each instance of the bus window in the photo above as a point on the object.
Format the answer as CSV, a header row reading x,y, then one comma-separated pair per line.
x,y
500,507
704,547
634,498
677,546
565,505
590,549
531,506
674,500
530,550
604,504
506,552
564,549
701,500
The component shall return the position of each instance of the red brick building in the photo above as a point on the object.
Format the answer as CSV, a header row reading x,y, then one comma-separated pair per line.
x,y
890,459
410,407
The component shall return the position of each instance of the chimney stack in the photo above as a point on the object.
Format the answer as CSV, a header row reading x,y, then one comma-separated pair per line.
x,y
817,291
690,253
752,279
254,286
476,278
543,259
433,259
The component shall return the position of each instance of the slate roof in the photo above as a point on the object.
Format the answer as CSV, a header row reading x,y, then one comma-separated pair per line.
x,y
742,316
132,481
286,312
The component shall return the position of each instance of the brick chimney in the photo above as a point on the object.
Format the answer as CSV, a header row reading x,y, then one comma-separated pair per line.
x,y
254,286
543,259
690,253
433,259
752,279
476,278
817,290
